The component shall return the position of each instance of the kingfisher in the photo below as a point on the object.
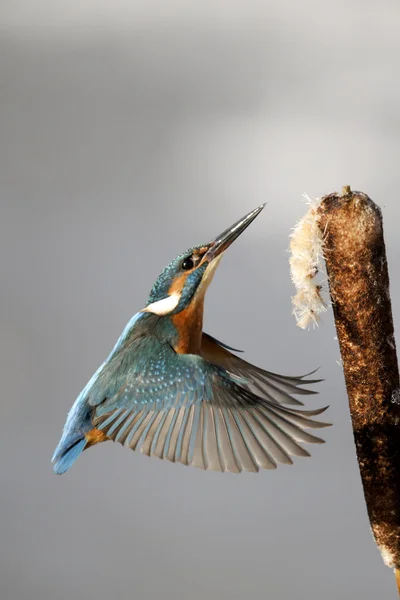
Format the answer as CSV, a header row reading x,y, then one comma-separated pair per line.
x,y
177,393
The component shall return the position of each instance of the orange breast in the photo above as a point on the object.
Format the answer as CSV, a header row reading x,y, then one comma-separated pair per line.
x,y
189,325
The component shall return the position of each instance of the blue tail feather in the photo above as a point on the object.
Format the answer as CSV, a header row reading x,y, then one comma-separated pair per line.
x,y
73,439
68,458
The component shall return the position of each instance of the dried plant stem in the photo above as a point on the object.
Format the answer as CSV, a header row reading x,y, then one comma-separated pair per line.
x,y
354,251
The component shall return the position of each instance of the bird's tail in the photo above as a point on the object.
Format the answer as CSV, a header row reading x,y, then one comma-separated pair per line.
x,y
65,456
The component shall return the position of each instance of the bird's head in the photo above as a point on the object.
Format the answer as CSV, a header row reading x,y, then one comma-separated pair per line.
x,y
183,283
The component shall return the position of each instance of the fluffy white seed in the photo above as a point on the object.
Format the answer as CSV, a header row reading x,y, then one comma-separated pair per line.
x,y
306,254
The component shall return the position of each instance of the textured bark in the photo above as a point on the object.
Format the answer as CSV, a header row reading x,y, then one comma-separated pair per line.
x,y
357,268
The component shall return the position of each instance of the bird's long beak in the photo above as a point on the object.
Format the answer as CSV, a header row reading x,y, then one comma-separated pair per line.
x,y
225,239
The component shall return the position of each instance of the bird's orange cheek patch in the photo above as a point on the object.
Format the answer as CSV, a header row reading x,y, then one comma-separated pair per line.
x,y
178,285
95,436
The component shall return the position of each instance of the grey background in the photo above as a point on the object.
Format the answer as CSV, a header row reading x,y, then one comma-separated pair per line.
x,y
130,131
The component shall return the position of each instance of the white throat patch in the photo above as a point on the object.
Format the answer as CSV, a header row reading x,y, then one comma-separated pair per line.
x,y
164,306
208,275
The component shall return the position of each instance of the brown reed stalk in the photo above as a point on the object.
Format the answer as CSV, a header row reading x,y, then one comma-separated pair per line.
x,y
351,226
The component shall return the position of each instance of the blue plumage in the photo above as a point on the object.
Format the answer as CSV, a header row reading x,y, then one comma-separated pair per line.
x,y
78,423
176,393
68,458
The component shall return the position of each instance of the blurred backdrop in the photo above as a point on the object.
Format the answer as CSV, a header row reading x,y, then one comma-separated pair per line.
x,y
131,130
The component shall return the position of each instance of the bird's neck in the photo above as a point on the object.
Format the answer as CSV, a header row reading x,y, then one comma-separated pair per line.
x,y
188,324
183,330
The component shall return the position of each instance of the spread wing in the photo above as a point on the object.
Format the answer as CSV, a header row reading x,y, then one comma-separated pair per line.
x,y
271,386
185,409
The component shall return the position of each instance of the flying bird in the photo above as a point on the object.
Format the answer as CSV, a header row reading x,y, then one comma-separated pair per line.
x,y
175,392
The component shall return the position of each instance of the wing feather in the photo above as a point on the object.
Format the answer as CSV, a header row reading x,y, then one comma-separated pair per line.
x,y
288,444
123,431
140,429
224,416
196,454
210,447
184,457
136,423
179,442
275,450
166,423
294,432
226,452
175,429
257,451
278,388
118,422
150,433
242,454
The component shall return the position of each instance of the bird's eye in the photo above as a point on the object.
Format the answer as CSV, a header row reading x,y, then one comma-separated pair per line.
x,y
187,264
